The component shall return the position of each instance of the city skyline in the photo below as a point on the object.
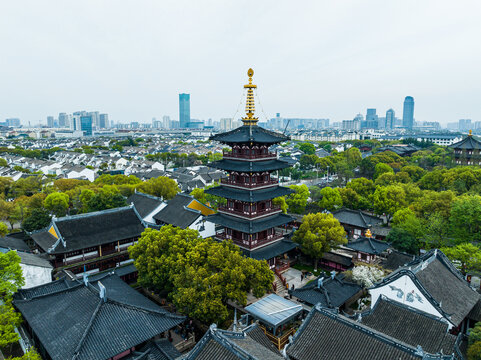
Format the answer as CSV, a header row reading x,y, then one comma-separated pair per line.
x,y
335,56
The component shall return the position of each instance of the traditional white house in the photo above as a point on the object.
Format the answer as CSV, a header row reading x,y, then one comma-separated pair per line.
x,y
432,284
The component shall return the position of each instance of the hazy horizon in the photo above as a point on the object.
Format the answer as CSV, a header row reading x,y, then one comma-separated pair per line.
x,y
315,59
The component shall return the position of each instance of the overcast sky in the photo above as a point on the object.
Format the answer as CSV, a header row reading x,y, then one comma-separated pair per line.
x,y
318,59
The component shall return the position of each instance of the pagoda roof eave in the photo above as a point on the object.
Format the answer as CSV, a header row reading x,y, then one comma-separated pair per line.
x,y
250,134
249,166
247,194
249,226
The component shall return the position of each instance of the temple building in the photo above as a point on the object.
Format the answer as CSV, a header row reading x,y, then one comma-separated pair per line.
x,y
249,217
90,243
467,151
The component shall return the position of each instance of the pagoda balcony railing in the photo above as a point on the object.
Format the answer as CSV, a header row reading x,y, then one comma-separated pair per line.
x,y
221,235
250,214
257,156
258,184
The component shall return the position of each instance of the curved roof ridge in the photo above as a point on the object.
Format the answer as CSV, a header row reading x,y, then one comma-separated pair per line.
x,y
142,308
87,330
94,213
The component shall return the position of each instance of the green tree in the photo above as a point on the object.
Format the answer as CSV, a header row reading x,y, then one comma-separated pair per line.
x,y
402,240
281,202
465,218
38,219
382,168
415,172
161,186
353,157
330,199
11,278
364,187
467,254
3,162
319,233
389,199
298,200
307,148
57,203
474,351
63,185
108,197
475,334
3,229
308,162
352,199
200,275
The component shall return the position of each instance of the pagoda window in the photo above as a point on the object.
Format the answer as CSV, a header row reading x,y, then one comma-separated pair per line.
x,y
246,208
254,207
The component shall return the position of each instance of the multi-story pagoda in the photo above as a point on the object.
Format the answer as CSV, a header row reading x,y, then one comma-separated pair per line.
x,y
249,217
467,151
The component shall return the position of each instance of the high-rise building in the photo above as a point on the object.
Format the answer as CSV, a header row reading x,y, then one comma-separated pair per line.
x,y
50,121
166,122
13,122
86,124
184,110
408,112
390,119
103,121
225,123
371,121
464,124
62,120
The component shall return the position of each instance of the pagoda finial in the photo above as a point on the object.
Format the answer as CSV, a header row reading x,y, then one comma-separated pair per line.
x,y
250,104
470,133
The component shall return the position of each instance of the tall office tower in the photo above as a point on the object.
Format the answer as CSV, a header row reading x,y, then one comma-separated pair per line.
x,y
225,124
389,119
184,110
408,112
62,120
95,118
50,121
13,122
166,122
464,124
371,121
103,121
86,124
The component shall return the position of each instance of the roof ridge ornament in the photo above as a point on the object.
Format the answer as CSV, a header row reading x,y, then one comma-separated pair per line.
x,y
250,103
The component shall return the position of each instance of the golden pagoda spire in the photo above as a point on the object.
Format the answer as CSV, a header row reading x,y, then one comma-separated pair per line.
x,y
470,133
250,104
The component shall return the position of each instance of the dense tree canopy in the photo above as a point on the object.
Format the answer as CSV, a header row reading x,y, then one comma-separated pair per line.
x,y
298,200
200,275
318,234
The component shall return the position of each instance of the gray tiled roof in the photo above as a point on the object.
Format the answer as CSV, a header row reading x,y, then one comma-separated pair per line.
x,y
14,241
329,336
368,245
333,293
468,143
177,213
246,134
75,323
356,218
144,203
92,229
272,250
442,284
249,344
410,326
